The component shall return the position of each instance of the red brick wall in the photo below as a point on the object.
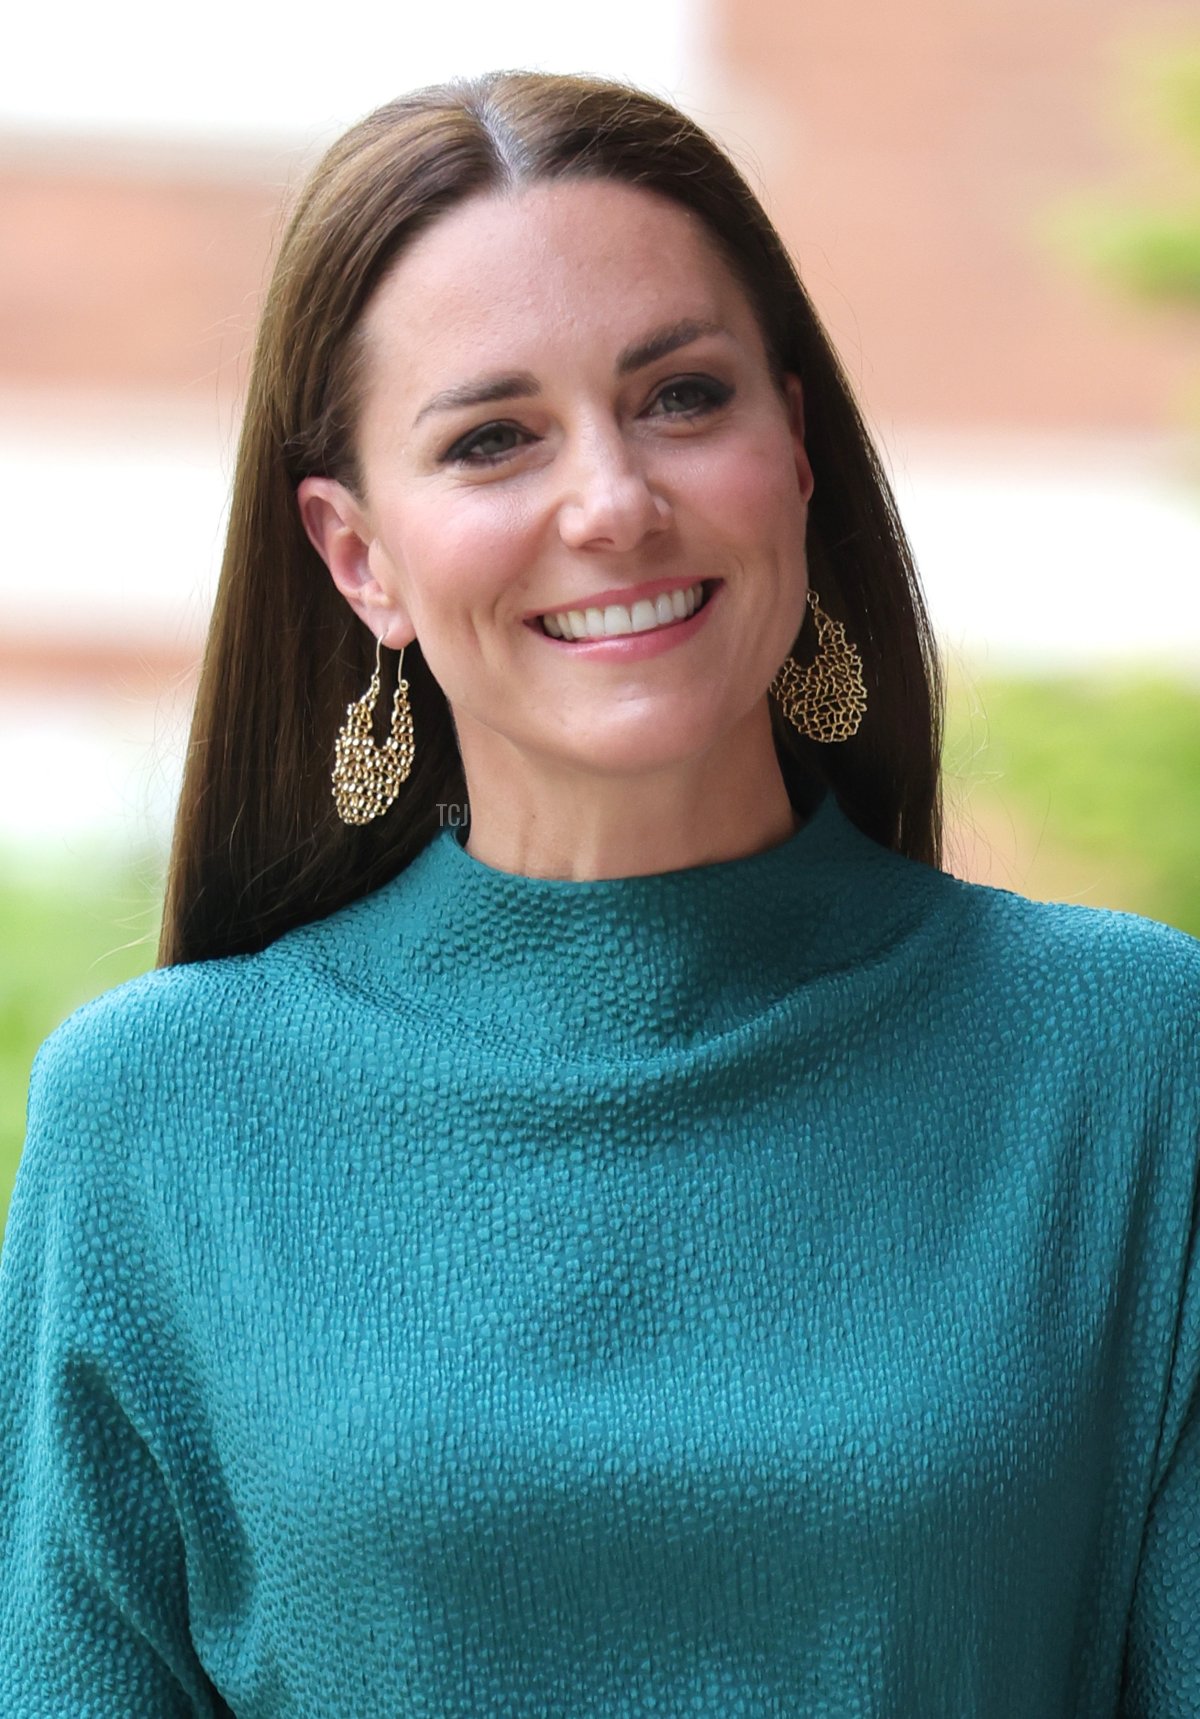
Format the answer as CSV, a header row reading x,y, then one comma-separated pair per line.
x,y
908,152
120,275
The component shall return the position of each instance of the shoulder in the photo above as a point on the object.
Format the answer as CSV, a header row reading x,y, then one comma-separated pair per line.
x,y
1099,943
170,1034
147,1082
117,1029
205,1029
1120,970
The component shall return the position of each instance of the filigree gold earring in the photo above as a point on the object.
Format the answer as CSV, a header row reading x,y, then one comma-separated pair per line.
x,y
827,700
366,778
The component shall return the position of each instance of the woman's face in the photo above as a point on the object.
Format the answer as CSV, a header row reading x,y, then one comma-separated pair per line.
x,y
567,406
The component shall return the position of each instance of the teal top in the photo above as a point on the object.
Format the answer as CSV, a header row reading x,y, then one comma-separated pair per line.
x,y
764,1288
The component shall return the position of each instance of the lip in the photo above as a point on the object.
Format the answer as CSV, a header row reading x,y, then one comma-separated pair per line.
x,y
626,595
631,647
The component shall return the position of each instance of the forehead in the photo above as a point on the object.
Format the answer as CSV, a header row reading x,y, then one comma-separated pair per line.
x,y
529,277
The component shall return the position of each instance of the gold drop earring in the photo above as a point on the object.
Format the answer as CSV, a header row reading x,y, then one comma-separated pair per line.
x,y
827,700
366,778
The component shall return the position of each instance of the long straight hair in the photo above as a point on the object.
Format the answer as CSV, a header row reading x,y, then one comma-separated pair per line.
x,y
258,847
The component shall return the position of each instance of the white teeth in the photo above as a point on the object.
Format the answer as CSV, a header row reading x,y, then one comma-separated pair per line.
x,y
643,617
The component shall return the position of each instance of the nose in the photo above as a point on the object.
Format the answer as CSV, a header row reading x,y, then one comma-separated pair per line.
x,y
608,503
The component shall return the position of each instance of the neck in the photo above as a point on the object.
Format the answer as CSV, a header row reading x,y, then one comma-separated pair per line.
x,y
552,819
622,967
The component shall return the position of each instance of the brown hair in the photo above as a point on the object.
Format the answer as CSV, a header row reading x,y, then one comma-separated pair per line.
x,y
258,847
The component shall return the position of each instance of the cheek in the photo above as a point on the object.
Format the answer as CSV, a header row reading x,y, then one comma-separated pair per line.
x,y
755,495
461,551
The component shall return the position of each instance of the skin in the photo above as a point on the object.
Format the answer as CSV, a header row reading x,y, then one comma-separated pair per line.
x,y
580,766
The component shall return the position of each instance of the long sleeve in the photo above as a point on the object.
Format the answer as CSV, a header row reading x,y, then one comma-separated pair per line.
x,y
1162,1664
93,1596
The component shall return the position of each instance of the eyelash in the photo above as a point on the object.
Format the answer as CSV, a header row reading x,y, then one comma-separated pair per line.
x,y
716,394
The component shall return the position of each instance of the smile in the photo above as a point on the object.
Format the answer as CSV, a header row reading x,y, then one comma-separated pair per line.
x,y
616,620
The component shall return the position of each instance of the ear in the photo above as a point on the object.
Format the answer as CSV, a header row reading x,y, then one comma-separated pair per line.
x,y
340,531
795,402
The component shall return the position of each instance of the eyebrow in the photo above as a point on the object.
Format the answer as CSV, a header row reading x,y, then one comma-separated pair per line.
x,y
522,384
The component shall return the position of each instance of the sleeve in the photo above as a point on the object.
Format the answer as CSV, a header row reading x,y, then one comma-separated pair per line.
x,y
93,1594
1161,1678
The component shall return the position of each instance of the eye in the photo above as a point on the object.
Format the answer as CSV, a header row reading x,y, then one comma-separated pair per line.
x,y
707,394
462,451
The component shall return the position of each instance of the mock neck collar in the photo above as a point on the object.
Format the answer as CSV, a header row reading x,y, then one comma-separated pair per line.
x,y
624,967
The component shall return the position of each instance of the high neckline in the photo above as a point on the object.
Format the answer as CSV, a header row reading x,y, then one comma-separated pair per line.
x,y
625,966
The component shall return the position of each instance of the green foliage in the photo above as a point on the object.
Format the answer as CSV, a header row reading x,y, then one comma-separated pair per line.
x,y
1150,247
66,938
1108,765
1149,252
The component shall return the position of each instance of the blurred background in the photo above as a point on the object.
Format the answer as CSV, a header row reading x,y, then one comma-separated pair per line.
x,y
995,208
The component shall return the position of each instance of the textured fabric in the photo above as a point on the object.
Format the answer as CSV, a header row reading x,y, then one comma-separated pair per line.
x,y
767,1288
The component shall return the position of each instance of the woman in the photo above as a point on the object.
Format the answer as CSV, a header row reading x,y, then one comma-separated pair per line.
x,y
663,1245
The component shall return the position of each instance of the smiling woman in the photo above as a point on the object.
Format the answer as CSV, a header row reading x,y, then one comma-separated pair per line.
x,y
532,346
670,1247
620,471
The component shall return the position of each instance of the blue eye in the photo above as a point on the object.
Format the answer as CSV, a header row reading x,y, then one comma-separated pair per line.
x,y
468,451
